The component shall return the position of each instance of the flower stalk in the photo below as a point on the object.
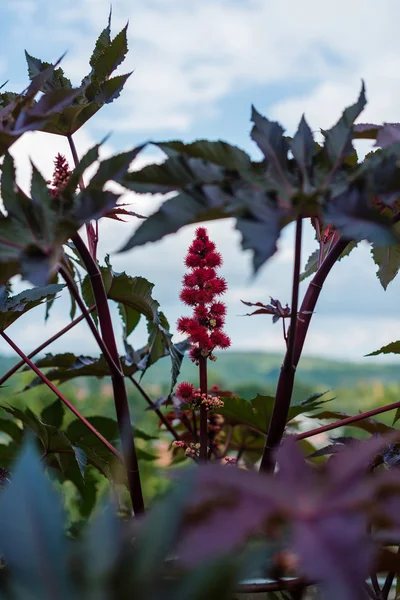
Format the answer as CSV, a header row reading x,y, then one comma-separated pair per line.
x,y
201,288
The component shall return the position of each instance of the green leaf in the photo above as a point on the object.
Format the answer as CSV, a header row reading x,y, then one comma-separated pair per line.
x,y
80,435
32,537
32,234
11,429
303,149
85,162
219,152
338,140
257,412
20,113
111,89
111,57
57,80
392,348
97,87
135,295
53,414
81,459
13,307
114,168
312,262
102,42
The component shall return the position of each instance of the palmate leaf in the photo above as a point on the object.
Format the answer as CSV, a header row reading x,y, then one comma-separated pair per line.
x,y
67,366
32,537
256,413
269,137
20,113
352,214
35,229
338,139
13,307
303,148
98,87
208,190
330,538
134,294
134,298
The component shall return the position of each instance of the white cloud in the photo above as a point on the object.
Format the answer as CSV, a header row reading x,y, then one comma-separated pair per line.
x,y
188,57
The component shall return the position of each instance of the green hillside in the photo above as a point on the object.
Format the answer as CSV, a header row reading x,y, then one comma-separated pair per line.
x,y
354,386
237,368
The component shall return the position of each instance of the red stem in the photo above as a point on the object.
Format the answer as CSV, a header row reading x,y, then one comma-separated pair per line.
x,y
61,396
52,339
203,412
75,293
286,379
117,379
347,421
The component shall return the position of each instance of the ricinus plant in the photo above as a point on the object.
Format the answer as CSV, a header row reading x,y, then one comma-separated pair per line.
x,y
314,520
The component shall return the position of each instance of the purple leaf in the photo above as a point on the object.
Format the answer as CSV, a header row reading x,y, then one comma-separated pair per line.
x,y
388,134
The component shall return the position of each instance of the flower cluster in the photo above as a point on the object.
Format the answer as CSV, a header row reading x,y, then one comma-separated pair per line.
x,y
230,461
193,450
201,287
190,395
178,444
61,175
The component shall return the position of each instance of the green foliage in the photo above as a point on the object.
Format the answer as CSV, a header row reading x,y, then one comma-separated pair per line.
x,y
257,412
20,113
217,181
13,307
134,298
97,89
42,224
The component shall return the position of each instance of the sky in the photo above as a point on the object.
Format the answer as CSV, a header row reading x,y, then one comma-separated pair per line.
x,y
198,65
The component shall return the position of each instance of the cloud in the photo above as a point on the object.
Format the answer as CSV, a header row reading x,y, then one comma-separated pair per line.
x,y
189,58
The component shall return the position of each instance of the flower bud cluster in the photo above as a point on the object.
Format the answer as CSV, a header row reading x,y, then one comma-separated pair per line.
x,y
201,288
190,395
61,175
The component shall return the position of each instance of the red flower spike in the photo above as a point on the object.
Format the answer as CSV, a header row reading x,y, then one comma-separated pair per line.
x,y
201,232
185,391
200,288
220,339
61,175
184,324
189,296
214,260
218,309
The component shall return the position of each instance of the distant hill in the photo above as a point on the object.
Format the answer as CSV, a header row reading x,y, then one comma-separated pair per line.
x,y
260,368
238,368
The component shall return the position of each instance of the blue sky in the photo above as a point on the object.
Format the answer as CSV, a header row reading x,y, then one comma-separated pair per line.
x,y
198,66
